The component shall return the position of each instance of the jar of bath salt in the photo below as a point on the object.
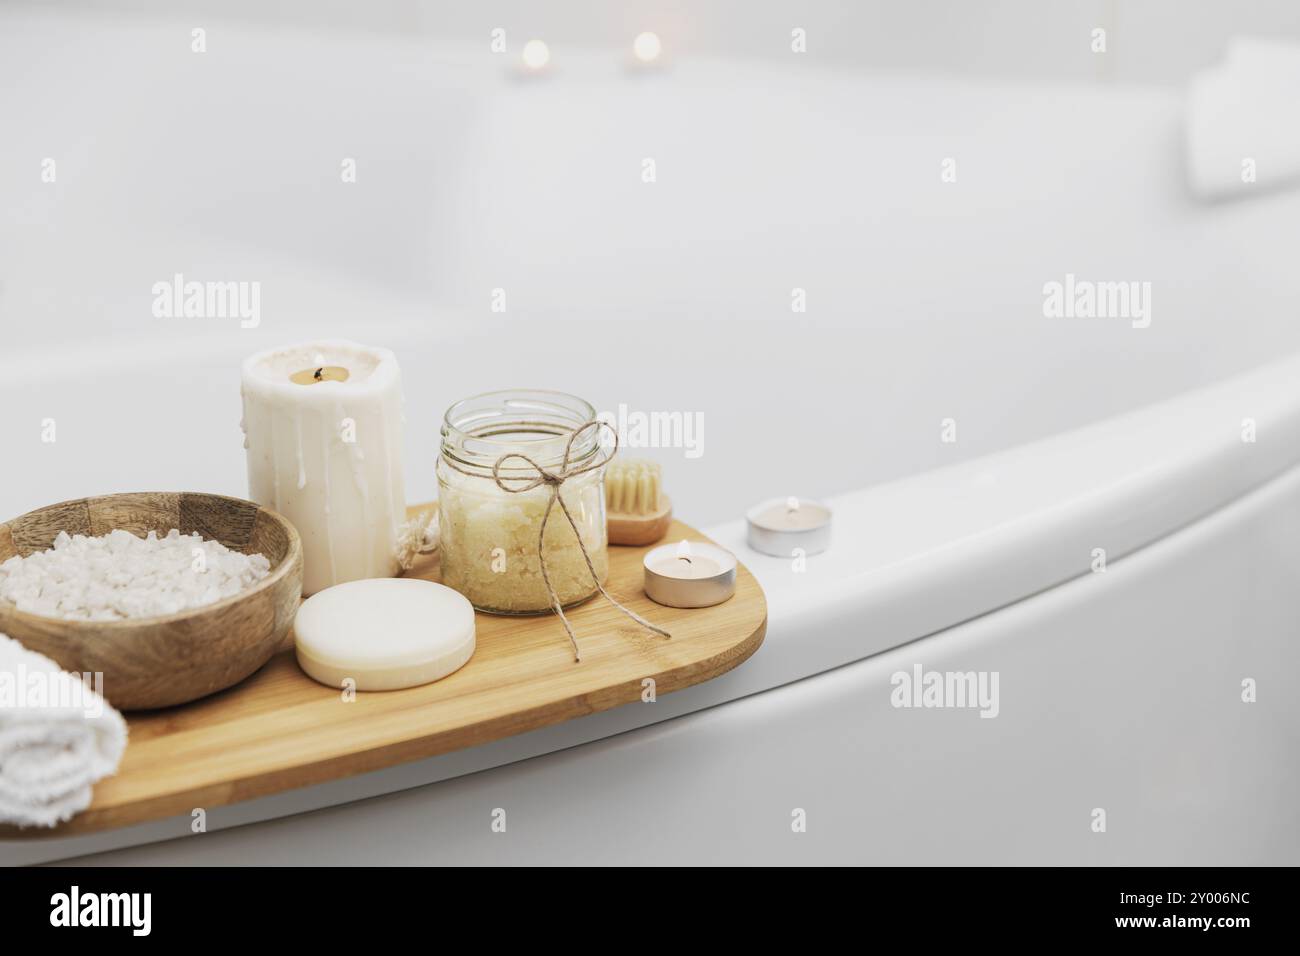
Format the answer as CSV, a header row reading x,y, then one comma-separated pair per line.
x,y
488,536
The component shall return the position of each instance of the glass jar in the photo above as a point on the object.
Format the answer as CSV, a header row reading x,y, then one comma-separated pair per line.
x,y
488,537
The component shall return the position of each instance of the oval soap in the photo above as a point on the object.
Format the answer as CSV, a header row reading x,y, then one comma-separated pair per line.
x,y
384,633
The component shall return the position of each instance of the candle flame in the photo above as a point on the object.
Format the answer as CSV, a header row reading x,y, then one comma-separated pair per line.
x,y
792,503
684,550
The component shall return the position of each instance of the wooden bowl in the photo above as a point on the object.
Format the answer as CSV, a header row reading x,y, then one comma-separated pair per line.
x,y
161,661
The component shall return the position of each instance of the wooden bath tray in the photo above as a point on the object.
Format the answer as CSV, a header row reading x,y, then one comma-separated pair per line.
x,y
279,729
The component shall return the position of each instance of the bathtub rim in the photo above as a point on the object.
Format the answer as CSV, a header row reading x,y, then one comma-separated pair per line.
x,y
872,594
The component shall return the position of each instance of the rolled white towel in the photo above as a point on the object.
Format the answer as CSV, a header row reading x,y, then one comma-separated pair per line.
x,y
1241,121
58,736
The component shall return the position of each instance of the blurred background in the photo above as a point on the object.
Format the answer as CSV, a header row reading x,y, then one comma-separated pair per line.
x,y
1162,41
794,146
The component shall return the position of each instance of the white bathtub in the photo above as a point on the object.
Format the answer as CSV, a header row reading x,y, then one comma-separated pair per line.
x,y
1119,690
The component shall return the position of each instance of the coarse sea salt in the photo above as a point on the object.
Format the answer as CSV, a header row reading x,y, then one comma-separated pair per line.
x,y
120,576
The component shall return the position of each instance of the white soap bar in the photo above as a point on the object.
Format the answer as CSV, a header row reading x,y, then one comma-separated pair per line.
x,y
384,633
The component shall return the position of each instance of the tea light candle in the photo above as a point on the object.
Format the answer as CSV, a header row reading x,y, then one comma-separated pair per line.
x,y
323,430
689,574
779,526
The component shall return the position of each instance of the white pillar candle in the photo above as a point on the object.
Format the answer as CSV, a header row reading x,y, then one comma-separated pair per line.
x,y
323,429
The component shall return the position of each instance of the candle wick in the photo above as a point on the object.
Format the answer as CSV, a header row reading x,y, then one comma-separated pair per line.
x,y
682,557
317,374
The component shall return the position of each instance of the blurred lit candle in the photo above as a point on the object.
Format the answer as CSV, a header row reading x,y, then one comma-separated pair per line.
x,y
690,574
647,52
535,56
779,526
646,47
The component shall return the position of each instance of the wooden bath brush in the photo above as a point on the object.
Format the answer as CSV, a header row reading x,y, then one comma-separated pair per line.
x,y
637,510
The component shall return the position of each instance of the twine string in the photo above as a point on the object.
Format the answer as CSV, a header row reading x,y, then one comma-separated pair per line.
x,y
554,480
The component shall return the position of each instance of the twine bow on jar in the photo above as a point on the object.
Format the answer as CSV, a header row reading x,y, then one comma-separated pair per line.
x,y
554,480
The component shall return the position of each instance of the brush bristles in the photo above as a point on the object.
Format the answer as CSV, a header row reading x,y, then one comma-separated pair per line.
x,y
632,487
